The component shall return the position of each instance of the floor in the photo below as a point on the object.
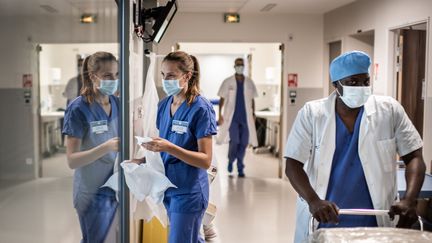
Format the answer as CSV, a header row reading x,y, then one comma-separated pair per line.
x,y
258,208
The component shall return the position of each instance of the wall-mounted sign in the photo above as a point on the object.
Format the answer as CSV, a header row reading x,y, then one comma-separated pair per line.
x,y
292,80
27,81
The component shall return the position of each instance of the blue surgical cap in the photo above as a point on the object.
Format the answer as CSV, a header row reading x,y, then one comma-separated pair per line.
x,y
348,64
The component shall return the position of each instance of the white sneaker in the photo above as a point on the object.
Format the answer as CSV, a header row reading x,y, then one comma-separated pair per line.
x,y
209,232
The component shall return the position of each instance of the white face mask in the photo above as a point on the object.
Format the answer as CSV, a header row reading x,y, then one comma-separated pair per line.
x,y
239,69
355,96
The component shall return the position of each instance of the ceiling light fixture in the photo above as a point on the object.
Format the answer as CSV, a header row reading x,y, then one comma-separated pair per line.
x,y
232,18
88,18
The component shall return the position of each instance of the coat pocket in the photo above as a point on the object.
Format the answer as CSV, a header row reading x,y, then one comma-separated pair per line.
x,y
387,153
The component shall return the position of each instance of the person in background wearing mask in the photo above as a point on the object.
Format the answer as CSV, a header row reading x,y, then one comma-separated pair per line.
x,y
91,129
74,85
186,123
341,153
237,124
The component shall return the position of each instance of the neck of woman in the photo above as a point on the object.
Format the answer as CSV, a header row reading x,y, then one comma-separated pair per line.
x,y
102,99
179,98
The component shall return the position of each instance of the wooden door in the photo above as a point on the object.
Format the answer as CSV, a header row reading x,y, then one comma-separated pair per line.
x,y
411,75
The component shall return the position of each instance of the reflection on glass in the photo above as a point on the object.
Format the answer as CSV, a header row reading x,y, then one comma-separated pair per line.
x,y
44,47
91,129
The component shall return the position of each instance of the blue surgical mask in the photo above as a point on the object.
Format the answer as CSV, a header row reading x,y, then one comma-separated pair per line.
x,y
171,87
108,87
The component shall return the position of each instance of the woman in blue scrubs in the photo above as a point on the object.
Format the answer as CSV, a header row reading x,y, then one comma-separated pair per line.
x,y
186,123
91,129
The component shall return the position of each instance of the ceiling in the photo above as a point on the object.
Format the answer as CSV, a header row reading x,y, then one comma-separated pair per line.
x,y
255,6
61,7
77,7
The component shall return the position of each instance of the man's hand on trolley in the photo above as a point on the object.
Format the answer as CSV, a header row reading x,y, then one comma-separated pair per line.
x,y
324,211
406,209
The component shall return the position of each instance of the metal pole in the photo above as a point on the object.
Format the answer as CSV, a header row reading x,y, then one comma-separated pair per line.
x,y
123,27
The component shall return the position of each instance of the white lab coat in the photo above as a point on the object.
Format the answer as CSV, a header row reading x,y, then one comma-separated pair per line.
x,y
385,130
228,91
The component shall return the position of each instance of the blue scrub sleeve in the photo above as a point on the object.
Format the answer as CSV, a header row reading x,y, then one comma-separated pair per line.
x,y
161,104
205,122
74,124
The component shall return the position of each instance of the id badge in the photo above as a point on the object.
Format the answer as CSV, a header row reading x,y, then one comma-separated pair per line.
x,y
99,126
179,127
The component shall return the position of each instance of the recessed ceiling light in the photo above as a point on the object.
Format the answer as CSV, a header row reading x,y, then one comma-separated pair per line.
x,y
88,18
232,18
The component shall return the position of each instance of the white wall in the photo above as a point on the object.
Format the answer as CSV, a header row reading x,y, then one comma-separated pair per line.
x,y
263,55
217,63
21,35
382,16
303,54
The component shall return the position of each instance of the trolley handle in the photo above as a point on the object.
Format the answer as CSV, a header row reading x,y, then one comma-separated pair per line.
x,y
370,212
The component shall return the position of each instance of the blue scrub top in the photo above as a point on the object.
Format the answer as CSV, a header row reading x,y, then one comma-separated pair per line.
x,y
93,126
240,107
347,185
184,128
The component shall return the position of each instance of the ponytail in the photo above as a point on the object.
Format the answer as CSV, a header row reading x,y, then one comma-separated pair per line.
x,y
87,89
193,85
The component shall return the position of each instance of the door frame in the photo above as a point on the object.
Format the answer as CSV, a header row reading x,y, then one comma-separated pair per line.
x,y
326,62
392,40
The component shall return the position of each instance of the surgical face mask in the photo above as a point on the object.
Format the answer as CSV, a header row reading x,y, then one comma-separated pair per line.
x,y
171,87
354,96
239,69
108,87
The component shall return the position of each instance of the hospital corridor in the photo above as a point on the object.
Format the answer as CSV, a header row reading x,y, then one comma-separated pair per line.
x,y
215,121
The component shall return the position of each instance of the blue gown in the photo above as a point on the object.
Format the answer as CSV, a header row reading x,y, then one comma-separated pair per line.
x,y
347,184
238,131
95,206
187,203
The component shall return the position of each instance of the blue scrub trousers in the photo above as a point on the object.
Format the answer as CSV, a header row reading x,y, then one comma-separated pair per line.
x,y
185,227
239,138
185,213
96,220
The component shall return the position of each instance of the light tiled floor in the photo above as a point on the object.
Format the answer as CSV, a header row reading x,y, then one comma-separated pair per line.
x,y
38,211
56,166
258,208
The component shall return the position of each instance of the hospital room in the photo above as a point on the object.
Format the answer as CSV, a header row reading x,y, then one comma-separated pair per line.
x,y
215,121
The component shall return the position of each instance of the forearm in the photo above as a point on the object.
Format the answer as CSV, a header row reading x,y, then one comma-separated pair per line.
x,y
221,104
414,176
82,158
253,106
299,180
197,159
